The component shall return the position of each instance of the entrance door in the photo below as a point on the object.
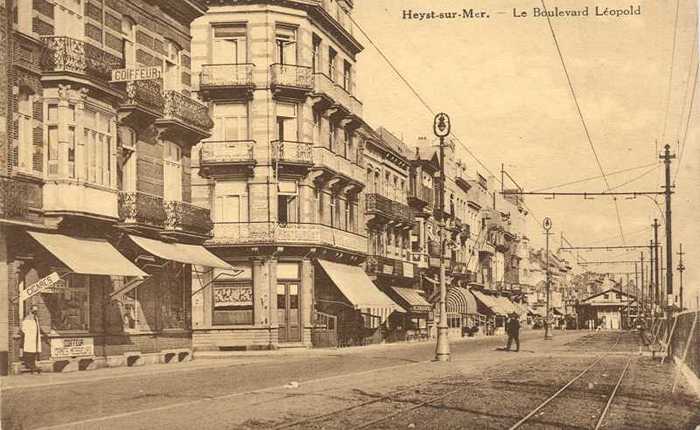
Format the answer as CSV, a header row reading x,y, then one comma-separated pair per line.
x,y
288,316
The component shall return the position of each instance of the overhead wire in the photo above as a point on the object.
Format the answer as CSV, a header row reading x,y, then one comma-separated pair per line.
x,y
670,77
687,125
583,121
636,178
590,178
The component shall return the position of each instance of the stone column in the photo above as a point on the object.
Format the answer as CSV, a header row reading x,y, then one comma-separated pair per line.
x,y
307,298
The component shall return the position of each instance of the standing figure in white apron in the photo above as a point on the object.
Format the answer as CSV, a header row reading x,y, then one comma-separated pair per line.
x,y
31,331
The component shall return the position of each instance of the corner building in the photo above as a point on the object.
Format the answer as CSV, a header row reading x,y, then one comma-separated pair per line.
x,y
281,173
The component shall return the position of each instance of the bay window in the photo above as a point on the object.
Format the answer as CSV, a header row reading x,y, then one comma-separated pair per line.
x,y
97,138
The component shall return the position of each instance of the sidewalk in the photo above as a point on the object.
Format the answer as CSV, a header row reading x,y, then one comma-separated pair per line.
x,y
204,360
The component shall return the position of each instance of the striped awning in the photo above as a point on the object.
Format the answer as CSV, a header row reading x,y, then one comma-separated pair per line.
x,y
492,303
460,300
415,302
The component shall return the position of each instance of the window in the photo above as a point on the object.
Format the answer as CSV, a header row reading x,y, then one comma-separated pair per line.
x,y
172,172
229,45
97,136
127,141
285,43
25,137
23,15
231,204
53,150
287,202
316,54
317,126
347,76
332,136
287,128
230,121
70,149
129,31
173,297
172,73
233,298
69,306
332,58
68,19
352,210
333,204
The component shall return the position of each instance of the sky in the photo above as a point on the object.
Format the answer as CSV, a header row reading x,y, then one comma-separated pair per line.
x,y
501,80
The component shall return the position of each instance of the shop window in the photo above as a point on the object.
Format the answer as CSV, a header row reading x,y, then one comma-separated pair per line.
x,y
173,297
69,305
233,299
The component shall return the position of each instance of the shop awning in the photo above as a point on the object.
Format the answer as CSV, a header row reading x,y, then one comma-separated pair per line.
x,y
492,303
87,256
359,290
460,300
415,301
180,252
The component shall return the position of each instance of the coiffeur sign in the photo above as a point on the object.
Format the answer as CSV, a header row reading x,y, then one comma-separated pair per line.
x,y
136,74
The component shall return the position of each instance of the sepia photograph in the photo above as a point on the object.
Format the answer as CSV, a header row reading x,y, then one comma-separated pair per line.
x,y
349,214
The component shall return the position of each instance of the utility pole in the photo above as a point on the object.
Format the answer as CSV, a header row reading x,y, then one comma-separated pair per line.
x,y
657,288
641,267
681,269
669,242
547,224
652,276
636,288
441,128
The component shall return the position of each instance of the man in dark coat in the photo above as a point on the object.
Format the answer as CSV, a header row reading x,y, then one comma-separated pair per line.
x,y
513,331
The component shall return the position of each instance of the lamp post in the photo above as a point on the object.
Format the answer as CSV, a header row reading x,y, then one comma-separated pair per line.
x,y
441,128
547,224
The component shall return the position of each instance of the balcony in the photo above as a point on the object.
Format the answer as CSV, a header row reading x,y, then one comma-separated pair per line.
x,y
136,208
185,118
230,81
69,196
291,80
187,218
402,213
422,196
330,95
226,156
67,55
292,153
385,266
335,169
269,233
143,104
386,210
377,204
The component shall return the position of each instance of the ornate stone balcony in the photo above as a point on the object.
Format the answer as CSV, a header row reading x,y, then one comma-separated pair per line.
x,y
387,210
270,233
188,218
377,204
291,80
336,168
285,151
226,80
185,118
67,55
330,95
226,156
142,209
422,196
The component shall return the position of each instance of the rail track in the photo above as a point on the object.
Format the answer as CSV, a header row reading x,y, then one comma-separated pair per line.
x,y
377,410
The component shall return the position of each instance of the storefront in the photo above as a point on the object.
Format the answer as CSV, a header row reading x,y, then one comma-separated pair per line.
x,y
415,322
347,293
462,316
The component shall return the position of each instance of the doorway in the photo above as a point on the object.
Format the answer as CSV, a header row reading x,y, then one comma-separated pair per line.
x,y
288,316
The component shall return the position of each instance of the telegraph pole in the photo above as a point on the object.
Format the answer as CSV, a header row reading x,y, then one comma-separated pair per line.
x,y
441,128
669,242
636,288
681,269
652,276
657,288
547,224
641,267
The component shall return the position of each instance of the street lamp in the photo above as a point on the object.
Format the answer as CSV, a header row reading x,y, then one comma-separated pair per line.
x,y
441,128
547,224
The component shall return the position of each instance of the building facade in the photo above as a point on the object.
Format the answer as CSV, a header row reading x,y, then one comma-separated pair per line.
x,y
97,186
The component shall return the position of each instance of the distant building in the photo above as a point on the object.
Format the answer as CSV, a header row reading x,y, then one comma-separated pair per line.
x,y
610,309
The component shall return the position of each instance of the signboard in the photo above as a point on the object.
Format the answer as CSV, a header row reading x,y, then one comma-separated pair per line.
x,y
547,223
387,269
137,74
233,295
408,270
68,347
41,286
441,125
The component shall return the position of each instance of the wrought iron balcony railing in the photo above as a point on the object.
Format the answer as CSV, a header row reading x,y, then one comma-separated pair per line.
x,y
226,75
402,212
65,54
378,204
184,216
291,76
179,107
292,152
147,94
227,151
141,208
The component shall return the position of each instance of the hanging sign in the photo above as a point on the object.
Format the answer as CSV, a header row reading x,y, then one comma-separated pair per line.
x,y
41,286
137,74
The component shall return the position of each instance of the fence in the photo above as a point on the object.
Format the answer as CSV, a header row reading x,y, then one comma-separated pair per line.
x,y
684,341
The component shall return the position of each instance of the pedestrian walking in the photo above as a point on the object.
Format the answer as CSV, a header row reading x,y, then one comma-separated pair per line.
x,y
513,331
31,343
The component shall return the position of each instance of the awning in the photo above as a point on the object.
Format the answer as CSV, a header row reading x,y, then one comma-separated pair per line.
x,y
87,256
359,290
460,300
188,254
492,303
415,301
